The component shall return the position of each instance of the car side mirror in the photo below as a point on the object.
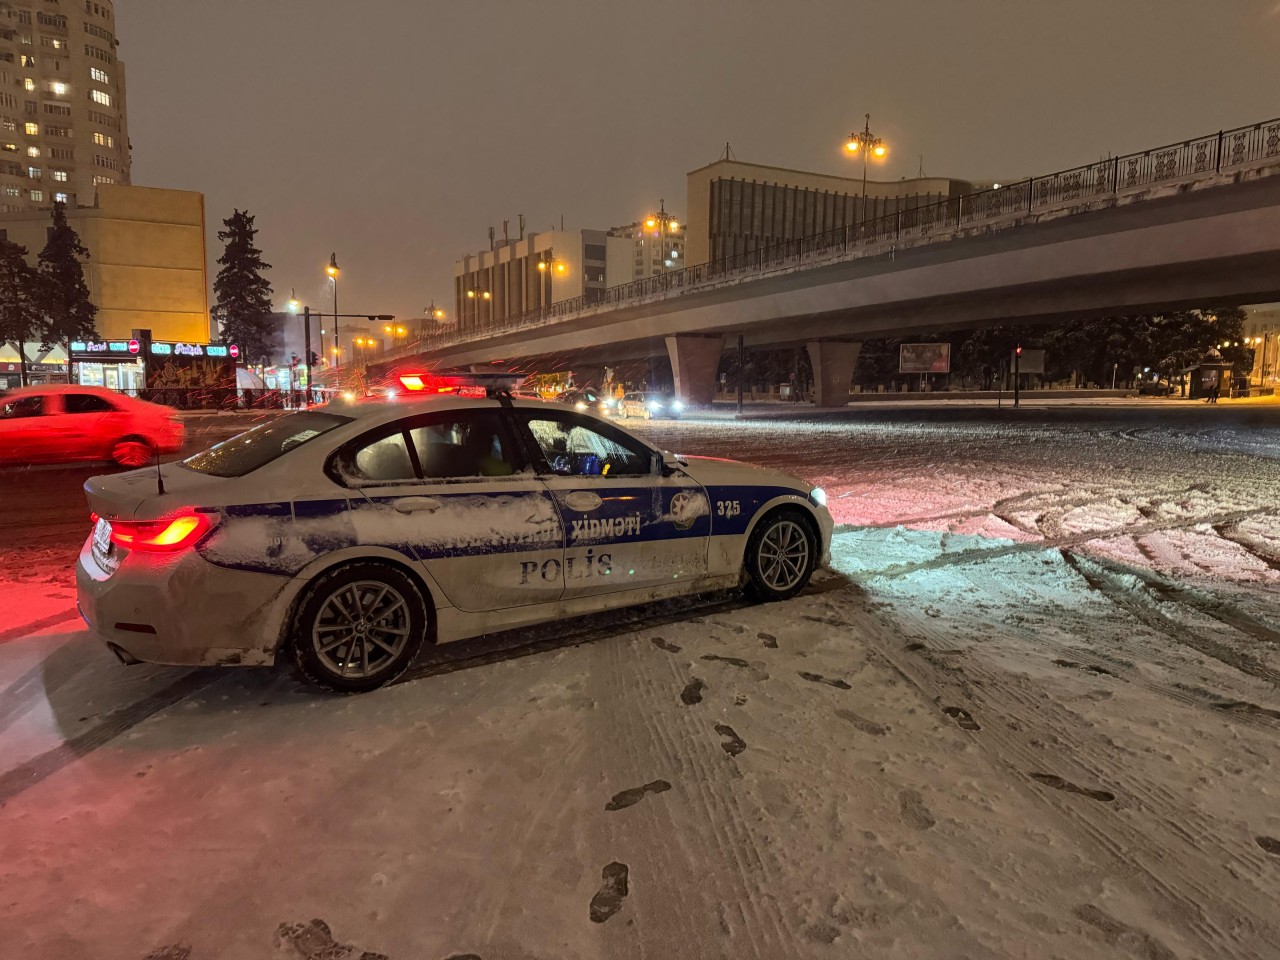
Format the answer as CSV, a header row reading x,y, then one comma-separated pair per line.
x,y
658,464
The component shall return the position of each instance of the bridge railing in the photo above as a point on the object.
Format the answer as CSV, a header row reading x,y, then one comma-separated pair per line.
x,y
1214,153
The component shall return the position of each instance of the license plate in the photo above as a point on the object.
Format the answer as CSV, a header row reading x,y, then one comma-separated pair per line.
x,y
102,546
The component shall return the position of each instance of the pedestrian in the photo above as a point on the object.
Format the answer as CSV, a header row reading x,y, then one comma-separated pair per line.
x,y
1214,388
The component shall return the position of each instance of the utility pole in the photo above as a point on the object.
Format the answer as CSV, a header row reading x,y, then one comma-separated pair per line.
x,y
1017,386
742,355
306,354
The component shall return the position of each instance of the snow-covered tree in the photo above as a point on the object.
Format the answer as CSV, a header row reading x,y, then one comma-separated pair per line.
x,y
243,294
67,312
20,313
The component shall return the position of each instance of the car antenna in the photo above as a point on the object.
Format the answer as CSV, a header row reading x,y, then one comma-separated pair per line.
x,y
159,475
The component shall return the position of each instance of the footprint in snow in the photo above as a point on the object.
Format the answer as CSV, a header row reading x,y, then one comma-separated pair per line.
x,y
613,890
962,718
829,621
634,795
768,639
818,678
862,723
1117,934
733,744
314,941
692,692
734,661
740,700
666,645
914,812
175,951
1052,780
1269,844
1091,668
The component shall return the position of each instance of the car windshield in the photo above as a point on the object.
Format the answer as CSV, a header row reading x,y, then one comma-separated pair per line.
x,y
259,446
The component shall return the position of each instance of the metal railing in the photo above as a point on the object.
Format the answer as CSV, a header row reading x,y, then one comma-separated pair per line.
x,y
1216,153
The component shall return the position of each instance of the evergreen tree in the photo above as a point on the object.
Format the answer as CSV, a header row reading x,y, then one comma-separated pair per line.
x,y
67,312
243,308
20,313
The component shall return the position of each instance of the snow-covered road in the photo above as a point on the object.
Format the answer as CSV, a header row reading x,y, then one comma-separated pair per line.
x,y
1031,712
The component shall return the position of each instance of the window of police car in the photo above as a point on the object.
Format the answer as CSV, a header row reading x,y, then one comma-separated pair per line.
x,y
257,447
461,446
575,447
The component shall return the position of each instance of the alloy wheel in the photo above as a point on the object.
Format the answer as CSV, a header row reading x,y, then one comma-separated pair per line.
x,y
784,555
361,629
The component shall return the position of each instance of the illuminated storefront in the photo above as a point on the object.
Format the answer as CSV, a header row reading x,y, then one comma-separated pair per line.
x,y
131,366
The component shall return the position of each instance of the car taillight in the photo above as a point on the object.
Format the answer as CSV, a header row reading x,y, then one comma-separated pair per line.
x,y
161,536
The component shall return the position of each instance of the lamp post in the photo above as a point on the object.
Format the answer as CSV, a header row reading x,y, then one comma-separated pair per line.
x,y
332,271
479,296
866,143
663,225
549,267
395,330
431,312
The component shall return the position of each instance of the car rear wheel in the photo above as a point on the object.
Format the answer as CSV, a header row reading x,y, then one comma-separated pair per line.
x,y
781,555
132,452
359,627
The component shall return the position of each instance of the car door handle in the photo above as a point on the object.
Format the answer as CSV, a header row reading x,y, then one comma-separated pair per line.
x,y
582,501
417,504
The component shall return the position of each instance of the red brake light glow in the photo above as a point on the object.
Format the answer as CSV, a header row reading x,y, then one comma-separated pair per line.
x,y
161,536
412,381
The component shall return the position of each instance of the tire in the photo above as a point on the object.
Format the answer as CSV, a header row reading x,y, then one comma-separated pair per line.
x,y
133,451
359,627
780,557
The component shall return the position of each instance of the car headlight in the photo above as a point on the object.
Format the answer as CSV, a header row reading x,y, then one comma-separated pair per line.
x,y
818,496
654,405
677,404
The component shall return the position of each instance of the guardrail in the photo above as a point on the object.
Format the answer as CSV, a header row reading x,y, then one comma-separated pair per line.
x,y
1214,153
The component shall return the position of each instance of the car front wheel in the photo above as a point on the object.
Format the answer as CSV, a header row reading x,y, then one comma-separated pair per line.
x,y
132,452
359,627
781,555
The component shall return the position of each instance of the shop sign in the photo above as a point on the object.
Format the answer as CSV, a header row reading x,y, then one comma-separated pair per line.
x,y
162,349
217,350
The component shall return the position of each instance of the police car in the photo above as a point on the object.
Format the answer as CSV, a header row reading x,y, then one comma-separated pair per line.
x,y
348,536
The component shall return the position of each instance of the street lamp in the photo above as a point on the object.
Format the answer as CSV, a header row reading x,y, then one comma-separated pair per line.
x,y
332,271
663,225
550,267
866,143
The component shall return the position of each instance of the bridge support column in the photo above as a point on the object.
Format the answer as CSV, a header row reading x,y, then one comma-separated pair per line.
x,y
833,362
695,359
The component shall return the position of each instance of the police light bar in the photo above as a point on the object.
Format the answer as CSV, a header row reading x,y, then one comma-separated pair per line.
x,y
480,384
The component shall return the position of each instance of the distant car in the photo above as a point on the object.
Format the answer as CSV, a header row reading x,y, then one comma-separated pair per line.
x,y
649,404
589,400
1154,388
65,423
349,537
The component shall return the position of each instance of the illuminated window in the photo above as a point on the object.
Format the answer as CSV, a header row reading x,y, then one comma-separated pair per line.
x,y
60,175
33,173
37,195
32,129
29,83
28,60
99,75
33,151
11,147
58,87
99,138
99,96
12,192
60,197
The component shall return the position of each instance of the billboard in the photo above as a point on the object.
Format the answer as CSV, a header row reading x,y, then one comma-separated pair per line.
x,y
924,358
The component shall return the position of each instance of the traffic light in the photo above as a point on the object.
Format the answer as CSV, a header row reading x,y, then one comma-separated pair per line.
x,y
1018,350
315,358
293,361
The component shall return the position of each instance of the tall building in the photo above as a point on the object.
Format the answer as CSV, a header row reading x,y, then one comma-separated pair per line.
x,y
514,277
62,103
737,207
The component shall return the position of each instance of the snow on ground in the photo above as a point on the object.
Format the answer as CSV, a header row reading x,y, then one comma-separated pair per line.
x,y
1031,712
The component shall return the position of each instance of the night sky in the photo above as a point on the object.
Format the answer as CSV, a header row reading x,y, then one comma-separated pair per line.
x,y
395,132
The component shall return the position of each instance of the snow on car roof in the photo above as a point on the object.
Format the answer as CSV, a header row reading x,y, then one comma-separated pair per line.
x,y
377,409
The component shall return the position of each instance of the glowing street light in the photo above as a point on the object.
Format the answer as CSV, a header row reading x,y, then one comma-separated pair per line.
x,y
663,225
864,142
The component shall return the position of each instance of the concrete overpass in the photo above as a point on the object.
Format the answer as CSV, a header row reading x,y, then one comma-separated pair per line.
x,y
1190,225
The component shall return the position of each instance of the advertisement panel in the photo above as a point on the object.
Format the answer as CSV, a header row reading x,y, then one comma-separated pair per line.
x,y
924,358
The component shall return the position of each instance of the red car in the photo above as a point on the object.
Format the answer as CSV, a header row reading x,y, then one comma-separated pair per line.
x,y
55,424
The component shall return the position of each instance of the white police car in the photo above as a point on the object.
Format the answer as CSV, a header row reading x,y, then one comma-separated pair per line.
x,y
350,535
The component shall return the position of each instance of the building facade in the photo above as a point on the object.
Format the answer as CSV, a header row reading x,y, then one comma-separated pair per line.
x,y
146,270
63,127
645,248
737,207
515,277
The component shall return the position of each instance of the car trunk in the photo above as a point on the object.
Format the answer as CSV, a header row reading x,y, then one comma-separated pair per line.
x,y
136,495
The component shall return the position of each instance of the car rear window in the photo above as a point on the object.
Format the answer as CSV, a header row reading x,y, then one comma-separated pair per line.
x,y
257,447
